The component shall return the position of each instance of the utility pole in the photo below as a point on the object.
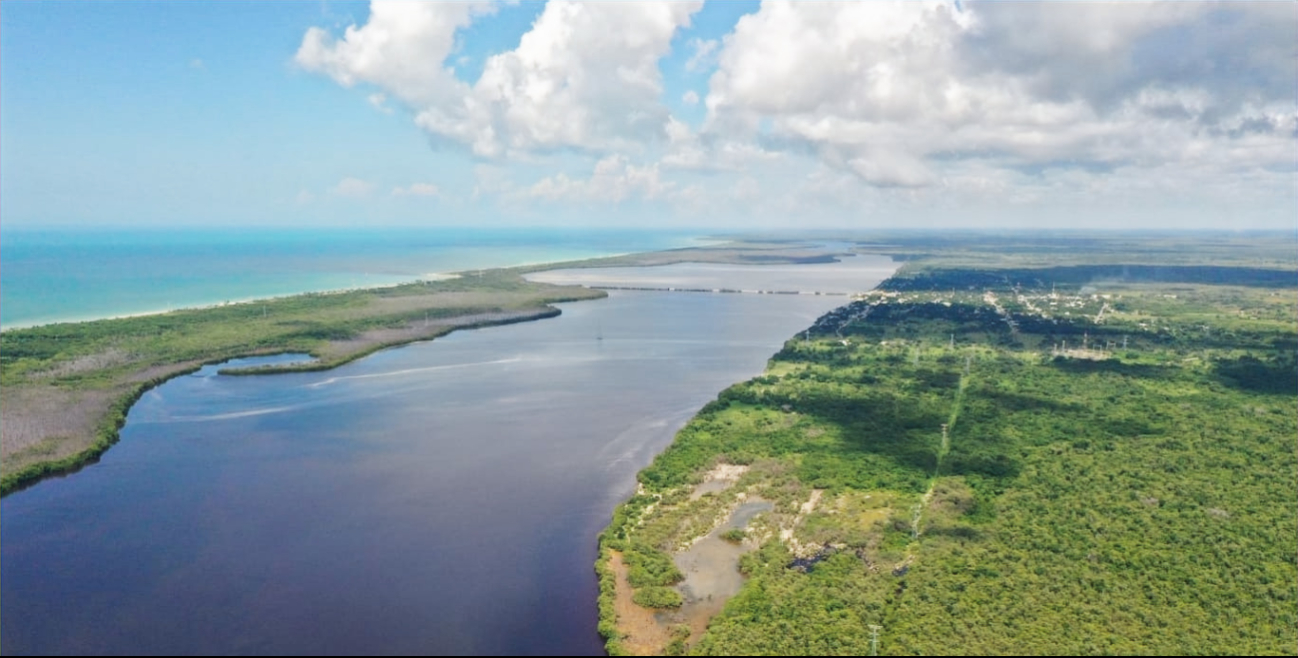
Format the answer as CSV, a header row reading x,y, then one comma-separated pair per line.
x,y
874,639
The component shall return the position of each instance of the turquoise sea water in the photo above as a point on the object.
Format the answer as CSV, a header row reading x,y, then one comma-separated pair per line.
x,y
54,276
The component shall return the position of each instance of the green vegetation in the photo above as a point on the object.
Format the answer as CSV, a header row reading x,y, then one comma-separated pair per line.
x,y
677,646
607,603
734,535
84,353
992,461
69,386
657,597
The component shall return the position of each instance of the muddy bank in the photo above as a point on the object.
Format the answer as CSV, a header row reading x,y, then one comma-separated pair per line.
x,y
710,566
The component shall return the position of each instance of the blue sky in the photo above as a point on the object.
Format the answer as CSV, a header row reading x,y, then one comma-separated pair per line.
x,y
718,115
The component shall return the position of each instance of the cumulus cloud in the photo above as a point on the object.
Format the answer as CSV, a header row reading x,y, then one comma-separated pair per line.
x,y
401,50
1105,53
895,92
352,187
417,189
585,77
613,180
893,105
687,149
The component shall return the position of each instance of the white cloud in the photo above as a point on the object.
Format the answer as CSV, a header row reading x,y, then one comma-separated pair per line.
x,y
197,63
894,93
687,150
585,76
417,189
304,197
613,180
704,56
891,107
352,187
401,50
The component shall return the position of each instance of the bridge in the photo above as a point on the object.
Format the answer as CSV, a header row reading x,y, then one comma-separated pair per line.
x,y
724,290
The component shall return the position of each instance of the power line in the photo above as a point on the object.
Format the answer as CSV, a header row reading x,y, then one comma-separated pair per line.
x,y
874,639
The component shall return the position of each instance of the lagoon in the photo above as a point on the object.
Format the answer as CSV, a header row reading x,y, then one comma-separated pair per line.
x,y
442,497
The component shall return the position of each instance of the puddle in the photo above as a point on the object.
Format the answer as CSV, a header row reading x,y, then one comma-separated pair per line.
x,y
711,568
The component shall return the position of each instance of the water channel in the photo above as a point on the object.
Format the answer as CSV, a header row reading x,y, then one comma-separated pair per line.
x,y
442,497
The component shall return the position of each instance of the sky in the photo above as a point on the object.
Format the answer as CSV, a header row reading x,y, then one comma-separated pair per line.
x,y
716,115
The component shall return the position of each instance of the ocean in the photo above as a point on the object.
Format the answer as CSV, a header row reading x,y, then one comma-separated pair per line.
x,y
59,276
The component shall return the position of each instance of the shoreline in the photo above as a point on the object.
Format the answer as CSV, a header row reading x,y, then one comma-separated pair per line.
x,y
87,417
426,277
70,385
108,433
525,266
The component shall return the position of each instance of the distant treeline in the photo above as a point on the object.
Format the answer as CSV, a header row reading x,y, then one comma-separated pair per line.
x,y
1081,275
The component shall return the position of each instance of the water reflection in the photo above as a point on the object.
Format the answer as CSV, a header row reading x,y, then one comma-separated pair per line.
x,y
439,498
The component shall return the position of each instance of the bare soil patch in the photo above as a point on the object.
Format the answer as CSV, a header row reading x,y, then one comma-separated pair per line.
x,y
32,414
643,634
718,479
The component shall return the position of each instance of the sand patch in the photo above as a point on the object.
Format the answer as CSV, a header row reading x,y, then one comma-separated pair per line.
x,y
642,633
718,479
787,531
810,506
711,568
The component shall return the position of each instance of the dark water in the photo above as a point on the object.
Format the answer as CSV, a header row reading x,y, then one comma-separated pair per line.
x,y
439,498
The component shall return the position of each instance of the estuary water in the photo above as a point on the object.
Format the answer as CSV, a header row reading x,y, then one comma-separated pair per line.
x,y
442,497
55,276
